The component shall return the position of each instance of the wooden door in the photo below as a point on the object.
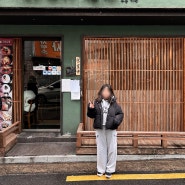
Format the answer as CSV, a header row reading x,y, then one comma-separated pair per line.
x,y
147,77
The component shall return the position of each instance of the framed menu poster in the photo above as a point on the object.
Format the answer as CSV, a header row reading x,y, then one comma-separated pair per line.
x,y
6,76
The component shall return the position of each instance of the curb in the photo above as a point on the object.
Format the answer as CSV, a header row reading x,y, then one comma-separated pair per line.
x,y
87,164
80,158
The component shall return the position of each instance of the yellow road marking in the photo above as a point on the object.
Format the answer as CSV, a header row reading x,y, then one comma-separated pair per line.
x,y
127,177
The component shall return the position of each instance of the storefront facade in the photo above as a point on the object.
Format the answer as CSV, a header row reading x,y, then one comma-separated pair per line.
x,y
141,27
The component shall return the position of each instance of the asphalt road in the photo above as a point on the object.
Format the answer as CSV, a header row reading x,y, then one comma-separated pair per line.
x,y
60,179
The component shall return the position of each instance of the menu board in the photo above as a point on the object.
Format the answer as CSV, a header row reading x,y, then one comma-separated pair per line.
x,y
6,76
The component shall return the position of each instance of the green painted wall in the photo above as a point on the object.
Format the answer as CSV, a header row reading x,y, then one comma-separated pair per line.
x,y
93,3
72,36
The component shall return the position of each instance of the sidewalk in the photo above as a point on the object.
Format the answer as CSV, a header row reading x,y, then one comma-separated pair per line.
x,y
37,155
39,158
87,164
61,152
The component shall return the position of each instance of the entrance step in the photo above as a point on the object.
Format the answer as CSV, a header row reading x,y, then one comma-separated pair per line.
x,y
34,136
35,142
43,149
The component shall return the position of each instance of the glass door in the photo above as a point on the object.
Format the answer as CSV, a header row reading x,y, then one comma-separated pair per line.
x,y
42,74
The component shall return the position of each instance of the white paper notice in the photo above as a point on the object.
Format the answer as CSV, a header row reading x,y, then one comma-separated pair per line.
x,y
75,85
66,85
75,95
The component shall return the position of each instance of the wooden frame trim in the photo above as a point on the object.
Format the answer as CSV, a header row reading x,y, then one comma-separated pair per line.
x,y
8,137
49,38
17,83
87,139
184,88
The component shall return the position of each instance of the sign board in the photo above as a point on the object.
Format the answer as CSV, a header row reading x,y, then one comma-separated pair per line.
x,y
6,77
48,49
93,3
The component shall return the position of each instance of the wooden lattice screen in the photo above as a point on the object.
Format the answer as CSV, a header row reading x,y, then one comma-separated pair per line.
x,y
147,76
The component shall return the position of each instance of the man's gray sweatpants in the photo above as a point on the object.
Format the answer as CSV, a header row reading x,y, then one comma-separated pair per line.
x,y
106,141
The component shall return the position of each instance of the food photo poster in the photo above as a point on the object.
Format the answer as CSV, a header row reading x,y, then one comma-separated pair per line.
x,y
6,76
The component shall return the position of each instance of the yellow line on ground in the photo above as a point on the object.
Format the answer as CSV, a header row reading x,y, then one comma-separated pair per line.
x,y
127,177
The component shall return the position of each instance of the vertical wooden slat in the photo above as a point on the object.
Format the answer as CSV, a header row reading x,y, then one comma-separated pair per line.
x,y
85,82
171,84
152,100
159,83
165,86
130,76
176,77
144,82
122,77
184,86
148,85
156,86
154,90
175,68
140,85
136,89
124,85
180,84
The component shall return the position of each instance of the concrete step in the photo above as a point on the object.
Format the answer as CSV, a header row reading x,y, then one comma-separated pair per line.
x,y
34,136
42,148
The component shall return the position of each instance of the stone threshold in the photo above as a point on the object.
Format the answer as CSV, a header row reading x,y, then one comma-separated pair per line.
x,y
80,158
